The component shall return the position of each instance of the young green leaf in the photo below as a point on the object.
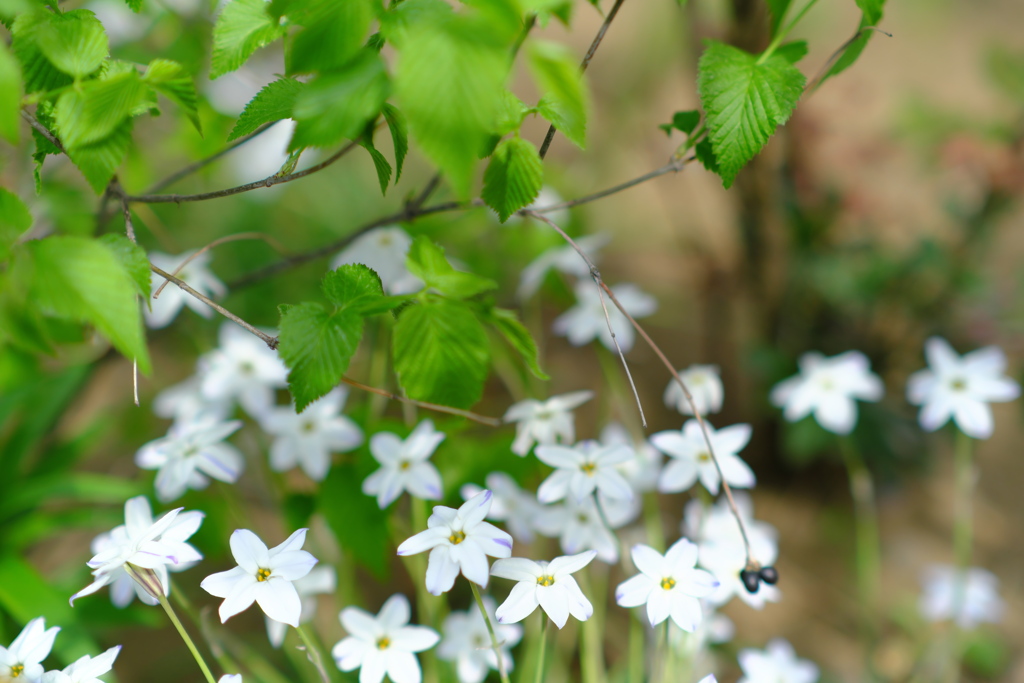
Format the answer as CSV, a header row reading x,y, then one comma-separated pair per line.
x,y
777,10
516,334
74,42
427,261
134,5
380,163
98,161
317,347
15,220
744,100
133,259
706,156
242,27
39,72
513,178
94,110
353,287
440,353
274,102
684,121
10,103
334,33
565,98
399,136
793,51
871,14
172,81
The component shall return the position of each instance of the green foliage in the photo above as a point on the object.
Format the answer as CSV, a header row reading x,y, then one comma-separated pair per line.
x,y
15,220
515,333
513,178
99,160
39,72
1006,69
274,102
745,98
353,516
399,136
133,259
93,111
871,14
777,10
134,5
172,81
792,52
333,35
427,261
10,103
683,121
74,42
566,99
380,163
242,27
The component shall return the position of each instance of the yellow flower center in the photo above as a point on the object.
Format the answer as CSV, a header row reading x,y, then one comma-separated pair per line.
x,y
668,583
384,643
546,580
958,384
17,670
588,468
457,537
308,427
703,456
404,465
262,574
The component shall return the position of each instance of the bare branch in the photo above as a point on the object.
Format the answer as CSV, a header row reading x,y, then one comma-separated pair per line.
x,y
673,166
482,419
274,244
812,84
202,163
42,130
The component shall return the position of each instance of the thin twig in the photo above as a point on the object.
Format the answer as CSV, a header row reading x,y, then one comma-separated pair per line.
x,y
114,188
482,419
202,163
274,244
584,64
673,166
814,82
432,184
42,130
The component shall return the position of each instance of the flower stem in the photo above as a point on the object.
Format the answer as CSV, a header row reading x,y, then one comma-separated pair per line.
x,y
591,631
868,552
652,522
313,653
636,651
184,636
963,519
539,677
490,629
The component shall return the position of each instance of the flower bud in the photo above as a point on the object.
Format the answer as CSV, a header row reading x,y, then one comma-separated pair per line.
x,y
146,578
751,580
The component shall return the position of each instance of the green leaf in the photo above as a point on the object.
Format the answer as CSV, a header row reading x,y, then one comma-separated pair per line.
x,y
1006,69
81,279
792,52
871,14
706,156
74,42
242,27
427,261
744,101
510,114
98,161
513,178
10,103
516,334
134,5
380,163
684,121
133,259
334,33
354,287
565,98
872,10
341,502
93,111
399,136
172,81
317,347
274,102
39,73
339,105
440,353
15,220
777,10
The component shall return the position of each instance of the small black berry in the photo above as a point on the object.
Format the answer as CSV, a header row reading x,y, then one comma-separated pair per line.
x,y
769,575
751,580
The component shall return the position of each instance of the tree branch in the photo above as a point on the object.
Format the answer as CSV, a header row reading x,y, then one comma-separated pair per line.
x,y
42,130
436,407
202,163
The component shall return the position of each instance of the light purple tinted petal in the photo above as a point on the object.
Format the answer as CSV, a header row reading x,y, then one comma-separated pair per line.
x,y
579,606
492,540
475,510
441,571
424,481
634,592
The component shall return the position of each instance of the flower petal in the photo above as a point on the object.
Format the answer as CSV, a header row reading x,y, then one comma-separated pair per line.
x,y
634,592
249,551
520,603
565,565
517,569
279,600
441,570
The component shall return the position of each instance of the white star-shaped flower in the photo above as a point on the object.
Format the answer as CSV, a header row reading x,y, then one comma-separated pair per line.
x,y
242,369
579,526
262,576
777,663
545,422
582,469
960,387
184,402
691,460
562,258
467,642
318,581
459,541
384,644
510,504
705,386
308,438
828,387
23,659
586,321
86,669
384,250
230,678
196,274
668,584
404,465
548,585
968,597
190,453
642,470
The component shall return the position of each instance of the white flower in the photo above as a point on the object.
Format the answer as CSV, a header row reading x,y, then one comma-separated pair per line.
x,y
545,422
582,469
384,250
510,504
23,659
579,527
668,584
166,307
969,598
138,518
467,642
705,386
642,470
85,670
586,321
307,439
827,387
191,452
546,584
184,402
776,664
143,543
459,540
404,465
562,258
230,678
547,196
262,575
691,459
960,387
242,369
383,645
318,581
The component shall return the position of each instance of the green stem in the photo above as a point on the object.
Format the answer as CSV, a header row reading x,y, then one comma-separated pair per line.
x,y
184,636
313,653
490,629
591,646
868,552
652,522
963,475
636,651
539,677
781,35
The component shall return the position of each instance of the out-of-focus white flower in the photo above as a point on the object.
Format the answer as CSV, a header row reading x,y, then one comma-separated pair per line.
x,y
714,629
139,517
586,321
184,402
510,504
668,584
545,422
165,308
86,669
404,465
828,387
230,678
191,452
562,258
969,598
710,678
705,386
579,527
459,540
265,576
777,663
548,585
318,581
384,644
467,642
691,460
23,659
548,196
384,250
583,468
309,438
119,23
242,369
643,469
960,387
144,543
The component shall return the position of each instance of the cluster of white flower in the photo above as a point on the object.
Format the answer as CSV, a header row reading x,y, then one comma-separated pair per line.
x,y
23,660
